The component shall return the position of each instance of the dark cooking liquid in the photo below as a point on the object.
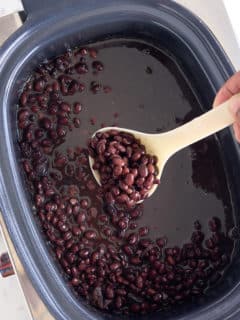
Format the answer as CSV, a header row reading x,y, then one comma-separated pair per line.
x,y
148,93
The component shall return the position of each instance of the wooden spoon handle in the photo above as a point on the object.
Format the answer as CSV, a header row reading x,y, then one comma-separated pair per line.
x,y
201,127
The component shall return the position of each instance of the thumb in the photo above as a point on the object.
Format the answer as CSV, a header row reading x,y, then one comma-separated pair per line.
x,y
223,95
235,107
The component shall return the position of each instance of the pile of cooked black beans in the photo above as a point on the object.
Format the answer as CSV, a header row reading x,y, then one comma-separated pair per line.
x,y
127,172
105,255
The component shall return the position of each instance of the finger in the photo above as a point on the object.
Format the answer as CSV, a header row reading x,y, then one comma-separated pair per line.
x,y
235,108
236,128
222,95
231,87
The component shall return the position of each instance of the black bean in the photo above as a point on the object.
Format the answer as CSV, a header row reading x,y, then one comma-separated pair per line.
x,y
97,65
143,171
83,51
92,212
93,53
114,266
67,236
135,307
64,106
46,123
214,224
81,68
39,85
122,224
23,115
118,161
84,203
90,235
76,231
107,89
77,108
117,171
62,226
61,131
135,260
132,238
109,292
24,98
129,179
81,218
95,87
143,231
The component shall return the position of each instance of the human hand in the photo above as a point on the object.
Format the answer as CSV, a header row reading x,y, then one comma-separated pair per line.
x,y
230,88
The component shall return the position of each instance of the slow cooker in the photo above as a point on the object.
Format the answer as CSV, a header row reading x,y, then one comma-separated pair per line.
x,y
49,27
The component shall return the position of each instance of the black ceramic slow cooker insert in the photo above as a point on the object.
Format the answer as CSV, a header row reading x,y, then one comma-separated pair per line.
x,y
51,27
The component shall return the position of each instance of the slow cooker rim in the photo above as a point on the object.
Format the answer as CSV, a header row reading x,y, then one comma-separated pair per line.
x,y
19,39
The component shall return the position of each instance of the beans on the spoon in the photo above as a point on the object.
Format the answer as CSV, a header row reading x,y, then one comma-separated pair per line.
x,y
133,173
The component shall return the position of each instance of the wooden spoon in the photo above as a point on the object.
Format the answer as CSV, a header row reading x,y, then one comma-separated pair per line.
x,y
164,145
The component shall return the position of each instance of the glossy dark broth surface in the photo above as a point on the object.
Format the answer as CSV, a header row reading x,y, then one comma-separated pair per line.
x,y
150,94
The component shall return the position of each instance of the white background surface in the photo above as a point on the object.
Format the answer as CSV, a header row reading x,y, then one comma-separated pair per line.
x,y
233,9
10,6
12,306
222,17
12,302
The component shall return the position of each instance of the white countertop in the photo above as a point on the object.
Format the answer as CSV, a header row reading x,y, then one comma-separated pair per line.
x,y
222,17
12,302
